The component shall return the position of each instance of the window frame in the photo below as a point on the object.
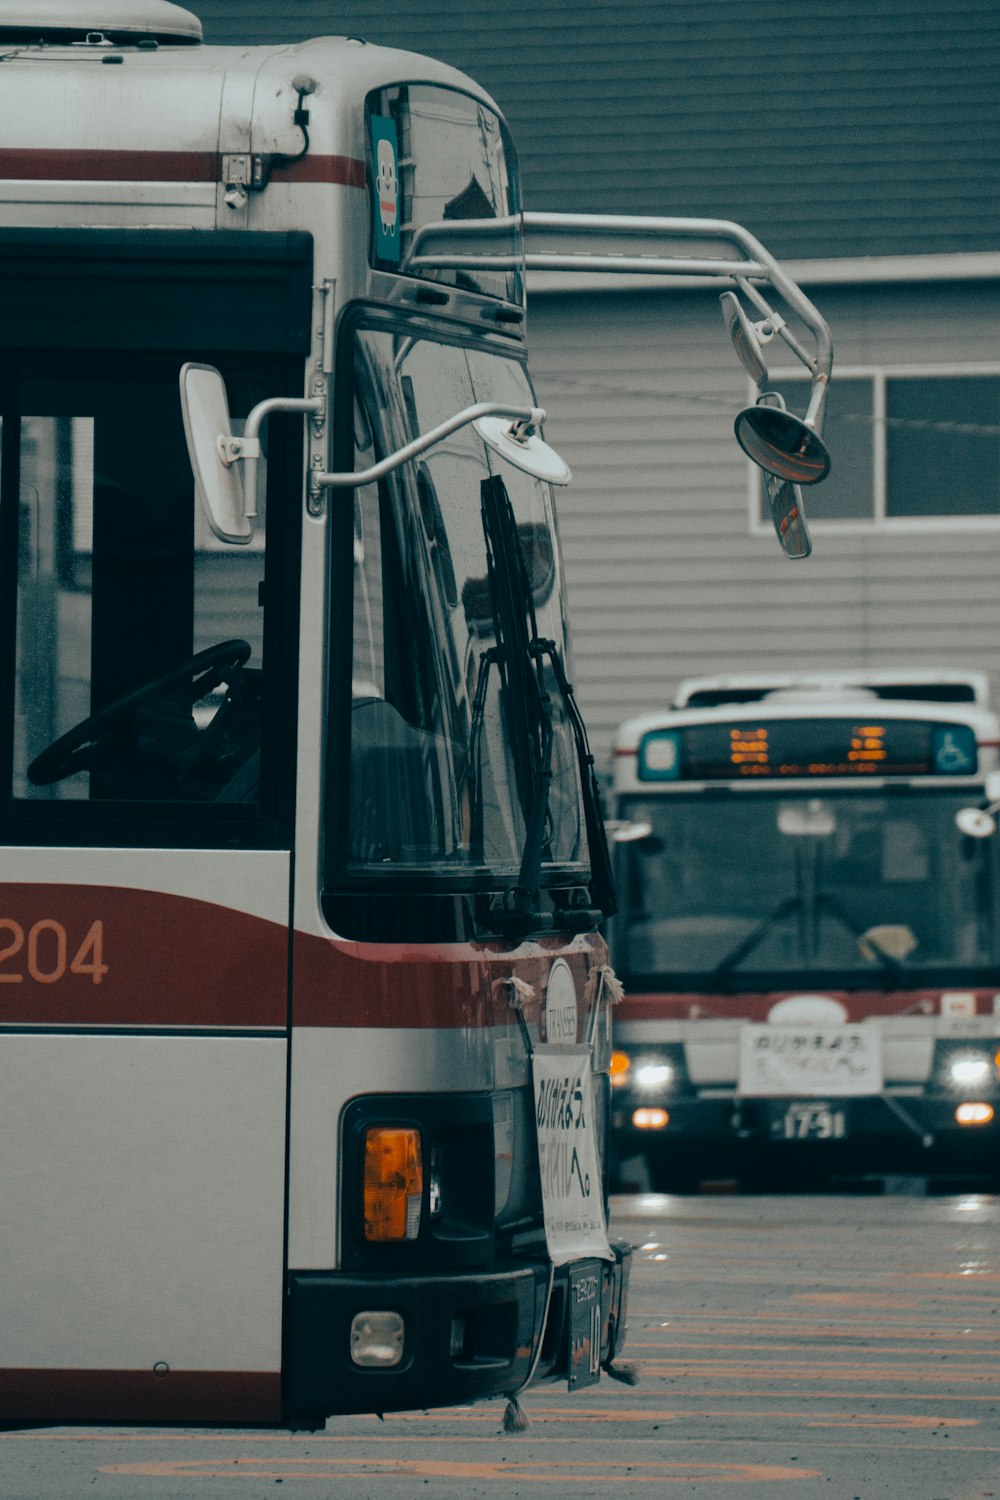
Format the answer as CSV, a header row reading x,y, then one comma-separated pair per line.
x,y
879,522
203,278
342,878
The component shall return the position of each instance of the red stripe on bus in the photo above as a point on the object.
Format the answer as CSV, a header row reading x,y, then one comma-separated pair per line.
x,y
341,171
108,956
104,1396
756,1006
109,166
37,164
74,955
447,987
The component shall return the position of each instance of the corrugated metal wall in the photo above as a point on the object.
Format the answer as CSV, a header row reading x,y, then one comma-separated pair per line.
x,y
665,578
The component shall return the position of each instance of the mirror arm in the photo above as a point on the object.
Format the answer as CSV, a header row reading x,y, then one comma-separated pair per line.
x,y
819,366
524,419
249,444
817,402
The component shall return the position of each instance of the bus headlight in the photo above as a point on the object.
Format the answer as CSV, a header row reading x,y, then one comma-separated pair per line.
x,y
969,1069
653,1075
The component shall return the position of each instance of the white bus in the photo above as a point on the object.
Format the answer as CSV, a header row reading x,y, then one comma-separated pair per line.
x,y
304,1032
808,928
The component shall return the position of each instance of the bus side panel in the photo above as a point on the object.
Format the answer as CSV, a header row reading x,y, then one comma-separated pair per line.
x,y
141,1179
143,1054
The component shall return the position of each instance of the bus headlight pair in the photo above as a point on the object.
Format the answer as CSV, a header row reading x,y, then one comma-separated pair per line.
x,y
971,1072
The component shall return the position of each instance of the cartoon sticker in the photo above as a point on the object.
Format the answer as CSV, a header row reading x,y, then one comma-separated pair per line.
x,y
385,150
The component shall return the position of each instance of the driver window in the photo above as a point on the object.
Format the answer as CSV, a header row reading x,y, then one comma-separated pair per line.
x,y
139,636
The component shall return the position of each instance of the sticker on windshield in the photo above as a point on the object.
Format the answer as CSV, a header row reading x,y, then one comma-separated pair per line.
x,y
385,151
954,750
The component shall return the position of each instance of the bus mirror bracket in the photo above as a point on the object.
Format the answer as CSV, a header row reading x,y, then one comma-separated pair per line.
x,y
510,431
789,447
224,464
980,822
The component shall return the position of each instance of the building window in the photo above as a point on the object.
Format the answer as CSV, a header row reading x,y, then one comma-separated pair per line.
x,y
914,447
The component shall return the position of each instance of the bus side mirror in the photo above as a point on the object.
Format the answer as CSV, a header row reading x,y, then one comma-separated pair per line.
x,y
788,515
205,408
977,822
745,337
224,465
782,443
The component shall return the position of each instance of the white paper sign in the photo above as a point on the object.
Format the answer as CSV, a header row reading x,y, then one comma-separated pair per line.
x,y
810,1061
572,1196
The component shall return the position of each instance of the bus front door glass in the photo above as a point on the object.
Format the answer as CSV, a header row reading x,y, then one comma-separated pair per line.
x,y
139,637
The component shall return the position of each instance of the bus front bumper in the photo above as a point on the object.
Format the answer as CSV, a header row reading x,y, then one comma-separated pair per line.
x,y
464,1337
904,1132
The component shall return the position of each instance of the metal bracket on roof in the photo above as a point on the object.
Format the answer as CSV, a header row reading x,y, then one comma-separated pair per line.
x,y
619,244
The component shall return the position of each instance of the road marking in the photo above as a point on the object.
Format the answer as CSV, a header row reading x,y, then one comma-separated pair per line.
x,y
538,1472
765,1371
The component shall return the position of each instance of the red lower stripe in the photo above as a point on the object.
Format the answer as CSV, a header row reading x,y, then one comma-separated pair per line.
x,y
67,1396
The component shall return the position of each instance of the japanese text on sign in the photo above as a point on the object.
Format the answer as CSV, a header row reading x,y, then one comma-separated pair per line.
x,y
810,1061
572,1194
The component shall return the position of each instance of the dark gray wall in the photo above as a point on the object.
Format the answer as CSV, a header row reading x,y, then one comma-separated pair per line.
x,y
830,127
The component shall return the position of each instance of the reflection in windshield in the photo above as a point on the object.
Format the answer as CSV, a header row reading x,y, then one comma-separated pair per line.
x,y
857,885
446,727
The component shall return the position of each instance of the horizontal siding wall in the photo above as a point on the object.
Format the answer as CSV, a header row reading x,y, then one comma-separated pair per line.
x,y
665,579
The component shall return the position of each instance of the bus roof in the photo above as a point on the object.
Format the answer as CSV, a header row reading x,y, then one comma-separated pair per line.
x,y
117,20
906,686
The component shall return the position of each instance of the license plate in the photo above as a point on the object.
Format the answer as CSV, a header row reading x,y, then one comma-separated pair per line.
x,y
584,1323
811,1122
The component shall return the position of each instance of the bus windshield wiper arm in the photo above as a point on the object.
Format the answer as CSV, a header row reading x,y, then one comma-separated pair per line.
x,y
791,906
786,908
474,767
602,881
523,900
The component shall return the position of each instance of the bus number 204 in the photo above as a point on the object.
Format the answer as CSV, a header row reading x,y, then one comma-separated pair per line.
x,y
43,952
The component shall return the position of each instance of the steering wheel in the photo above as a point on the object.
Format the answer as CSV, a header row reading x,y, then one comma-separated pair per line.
x,y
71,752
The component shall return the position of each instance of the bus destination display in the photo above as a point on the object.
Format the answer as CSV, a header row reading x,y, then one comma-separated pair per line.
x,y
785,749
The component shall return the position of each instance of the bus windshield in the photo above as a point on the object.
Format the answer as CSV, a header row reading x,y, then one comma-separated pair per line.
x,y
451,712
761,889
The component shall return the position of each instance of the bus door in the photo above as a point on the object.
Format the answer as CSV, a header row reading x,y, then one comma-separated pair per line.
x,y
148,702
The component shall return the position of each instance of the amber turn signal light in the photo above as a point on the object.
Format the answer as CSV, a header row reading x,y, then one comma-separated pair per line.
x,y
393,1183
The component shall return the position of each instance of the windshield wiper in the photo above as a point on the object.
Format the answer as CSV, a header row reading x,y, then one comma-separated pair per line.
x,y
799,906
602,886
474,765
523,654
522,903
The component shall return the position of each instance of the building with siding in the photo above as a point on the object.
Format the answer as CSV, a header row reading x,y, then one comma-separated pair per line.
x,y
861,144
